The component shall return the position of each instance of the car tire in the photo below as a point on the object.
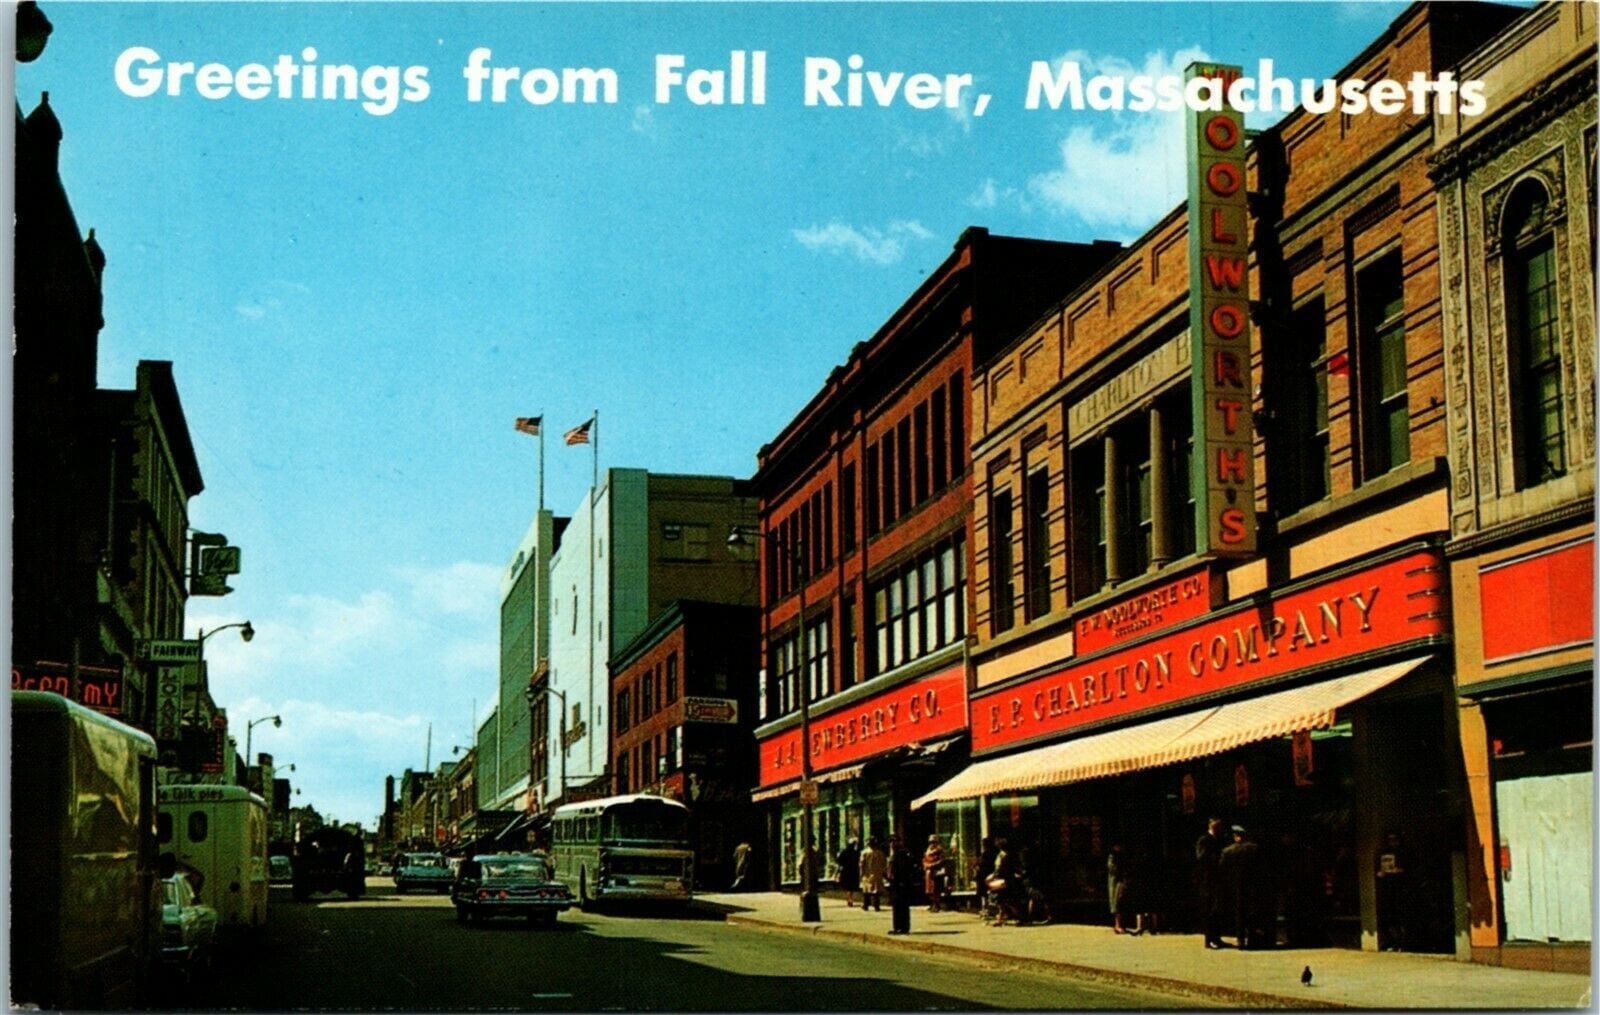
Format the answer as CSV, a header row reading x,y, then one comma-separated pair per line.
x,y
463,913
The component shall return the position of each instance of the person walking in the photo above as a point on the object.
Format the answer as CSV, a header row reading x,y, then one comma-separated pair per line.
x,y
935,873
1241,868
902,877
849,864
1207,874
1116,871
873,867
1392,867
986,858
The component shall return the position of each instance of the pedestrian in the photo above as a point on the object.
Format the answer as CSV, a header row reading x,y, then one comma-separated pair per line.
x,y
935,873
849,864
1392,866
741,865
873,866
1207,874
1005,884
1116,870
1241,868
986,857
902,879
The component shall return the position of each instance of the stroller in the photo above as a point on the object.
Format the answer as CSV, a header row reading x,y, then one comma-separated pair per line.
x,y
1021,903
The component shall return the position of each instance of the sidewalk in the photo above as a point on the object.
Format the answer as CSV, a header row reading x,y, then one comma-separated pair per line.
x,y
1179,962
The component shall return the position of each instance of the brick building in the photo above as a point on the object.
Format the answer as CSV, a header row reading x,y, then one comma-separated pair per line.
x,y
1139,665
1516,204
866,535
683,706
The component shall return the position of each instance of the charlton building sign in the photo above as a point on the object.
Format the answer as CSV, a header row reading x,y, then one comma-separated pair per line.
x,y
1219,325
1333,622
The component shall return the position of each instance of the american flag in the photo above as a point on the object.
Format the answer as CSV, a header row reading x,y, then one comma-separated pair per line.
x,y
580,433
530,425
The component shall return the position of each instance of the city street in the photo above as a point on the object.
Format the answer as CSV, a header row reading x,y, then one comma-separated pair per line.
x,y
408,952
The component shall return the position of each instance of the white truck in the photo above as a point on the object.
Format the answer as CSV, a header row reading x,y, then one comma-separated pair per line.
x,y
218,836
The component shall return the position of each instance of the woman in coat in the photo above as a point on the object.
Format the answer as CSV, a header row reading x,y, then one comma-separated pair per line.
x,y
873,867
935,873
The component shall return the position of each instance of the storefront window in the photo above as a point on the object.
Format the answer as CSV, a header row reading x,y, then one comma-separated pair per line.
x,y
957,823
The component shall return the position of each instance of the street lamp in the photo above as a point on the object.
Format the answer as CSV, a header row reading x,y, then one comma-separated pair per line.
x,y
532,693
810,909
250,729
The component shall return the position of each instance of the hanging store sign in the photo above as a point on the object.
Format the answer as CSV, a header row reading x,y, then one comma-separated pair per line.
x,y
1219,325
169,702
217,758
1182,598
1398,601
915,711
712,710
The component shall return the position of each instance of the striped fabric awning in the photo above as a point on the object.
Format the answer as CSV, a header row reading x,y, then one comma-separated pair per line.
x,y
1170,740
837,775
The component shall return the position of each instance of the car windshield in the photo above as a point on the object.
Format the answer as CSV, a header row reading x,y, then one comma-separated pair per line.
x,y
660,824
425,860
516,866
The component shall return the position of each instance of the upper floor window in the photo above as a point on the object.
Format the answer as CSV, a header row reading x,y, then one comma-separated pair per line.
x,y
1299,469
1533,328
1386,415
1036,538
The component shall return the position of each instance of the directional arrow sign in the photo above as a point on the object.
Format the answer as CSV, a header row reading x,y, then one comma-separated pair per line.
x,y
712,710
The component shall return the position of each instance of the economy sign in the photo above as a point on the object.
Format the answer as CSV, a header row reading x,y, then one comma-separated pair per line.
x,y
1219,323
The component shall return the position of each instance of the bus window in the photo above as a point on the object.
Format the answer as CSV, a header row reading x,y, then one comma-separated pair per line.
x,y
197,826
163,827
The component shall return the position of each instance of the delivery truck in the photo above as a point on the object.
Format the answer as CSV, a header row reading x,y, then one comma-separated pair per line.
x,y
218,836
85,889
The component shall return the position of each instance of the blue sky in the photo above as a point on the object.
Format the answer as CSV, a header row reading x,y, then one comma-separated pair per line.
x,y
358,306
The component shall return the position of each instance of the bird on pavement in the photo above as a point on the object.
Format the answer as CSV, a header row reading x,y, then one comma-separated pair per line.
x,y
1305,976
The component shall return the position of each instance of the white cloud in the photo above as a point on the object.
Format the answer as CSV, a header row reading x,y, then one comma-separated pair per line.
x,y
866,244
1126,175
990,194
463,587
644,121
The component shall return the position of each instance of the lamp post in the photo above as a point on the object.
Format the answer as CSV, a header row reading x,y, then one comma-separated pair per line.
x,y
250,729
810,909
246,632
532,694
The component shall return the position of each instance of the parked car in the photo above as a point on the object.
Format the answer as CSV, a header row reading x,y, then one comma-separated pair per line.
x,y
510,884
188,929
424,871
280,870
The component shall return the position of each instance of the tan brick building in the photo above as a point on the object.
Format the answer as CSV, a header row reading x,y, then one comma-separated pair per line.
x,y
1128,685
1516,204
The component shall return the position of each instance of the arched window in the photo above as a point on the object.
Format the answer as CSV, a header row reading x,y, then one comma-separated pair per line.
x,y
1533,332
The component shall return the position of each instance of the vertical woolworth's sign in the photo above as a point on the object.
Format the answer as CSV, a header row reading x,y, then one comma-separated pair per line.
x,y
1219,323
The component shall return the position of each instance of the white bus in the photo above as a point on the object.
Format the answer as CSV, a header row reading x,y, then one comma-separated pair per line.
x,y
219,832
623,847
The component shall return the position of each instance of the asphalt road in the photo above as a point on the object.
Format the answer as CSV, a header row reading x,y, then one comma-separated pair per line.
x,y
389,951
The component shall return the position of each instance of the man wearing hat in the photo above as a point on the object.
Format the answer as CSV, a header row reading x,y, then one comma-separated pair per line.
x,y
1241,869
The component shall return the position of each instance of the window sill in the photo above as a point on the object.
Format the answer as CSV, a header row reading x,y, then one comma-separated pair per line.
x,y
1385,485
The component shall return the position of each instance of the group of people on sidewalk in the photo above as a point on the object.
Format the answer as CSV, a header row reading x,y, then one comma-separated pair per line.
x,y
1003,890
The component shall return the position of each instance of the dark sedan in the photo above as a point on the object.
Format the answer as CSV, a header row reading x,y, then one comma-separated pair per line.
x,y
509,885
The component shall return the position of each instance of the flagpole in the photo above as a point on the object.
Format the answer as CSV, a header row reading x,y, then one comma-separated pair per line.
x,y
594,494
541,462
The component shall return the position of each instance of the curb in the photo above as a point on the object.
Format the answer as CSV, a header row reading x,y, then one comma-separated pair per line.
x,y
1231,996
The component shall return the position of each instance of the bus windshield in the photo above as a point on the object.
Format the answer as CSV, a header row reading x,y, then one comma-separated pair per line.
x,y
646,822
